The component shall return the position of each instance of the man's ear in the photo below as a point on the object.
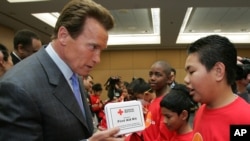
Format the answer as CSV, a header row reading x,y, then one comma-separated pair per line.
x,y
62,35
219,71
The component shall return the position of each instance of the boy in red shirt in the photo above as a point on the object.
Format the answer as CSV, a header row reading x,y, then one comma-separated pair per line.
x,y
159,78
96,102
176,108
211,69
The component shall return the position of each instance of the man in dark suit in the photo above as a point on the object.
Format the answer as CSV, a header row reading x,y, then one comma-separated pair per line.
x,y
37,99
26,42
172,75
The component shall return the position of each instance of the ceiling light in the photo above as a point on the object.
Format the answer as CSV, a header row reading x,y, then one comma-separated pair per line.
x,y
217,30
122,39
156,20
49,18
19,1
186,38
132,39
192,35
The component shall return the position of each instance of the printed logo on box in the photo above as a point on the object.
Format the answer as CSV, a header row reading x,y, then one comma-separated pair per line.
x,y
128,116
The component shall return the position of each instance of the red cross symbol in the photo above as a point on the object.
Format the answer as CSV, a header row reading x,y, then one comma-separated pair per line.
x,y
120,112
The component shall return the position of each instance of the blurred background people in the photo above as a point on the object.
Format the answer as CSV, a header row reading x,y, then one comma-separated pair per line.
x,y
97,105
114,88
173,76
88,82
26,43
5,60
243,78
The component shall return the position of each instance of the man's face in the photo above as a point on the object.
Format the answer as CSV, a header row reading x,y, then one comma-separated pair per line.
x,y
198,80
83,53
29,50
88,83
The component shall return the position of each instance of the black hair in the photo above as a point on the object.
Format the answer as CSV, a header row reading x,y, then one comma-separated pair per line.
x,y
214,48
141,88
178,99
97,87
242,71
110,86
24,37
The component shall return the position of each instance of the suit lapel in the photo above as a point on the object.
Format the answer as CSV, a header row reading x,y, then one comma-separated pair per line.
x,y
62,91
64,94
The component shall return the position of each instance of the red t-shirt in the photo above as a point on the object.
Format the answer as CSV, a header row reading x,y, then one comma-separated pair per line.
x,y
214,124
154,123
94,99
182,137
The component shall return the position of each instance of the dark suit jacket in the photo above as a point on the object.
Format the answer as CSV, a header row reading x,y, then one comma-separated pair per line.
x,y
15,60
37,104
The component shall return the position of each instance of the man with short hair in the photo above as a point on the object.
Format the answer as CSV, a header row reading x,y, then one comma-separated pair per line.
x,y
172,75
26,43
88,83
42,98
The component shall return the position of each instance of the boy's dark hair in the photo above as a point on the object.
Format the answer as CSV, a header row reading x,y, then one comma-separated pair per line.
x,y
97,87
5,52
178,99
133,86
213,49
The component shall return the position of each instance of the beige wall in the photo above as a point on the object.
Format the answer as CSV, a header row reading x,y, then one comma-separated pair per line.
x,y
128,63
136,63
6,37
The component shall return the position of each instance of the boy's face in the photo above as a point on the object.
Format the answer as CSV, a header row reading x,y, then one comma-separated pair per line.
x,y
172,120
157,78
198,80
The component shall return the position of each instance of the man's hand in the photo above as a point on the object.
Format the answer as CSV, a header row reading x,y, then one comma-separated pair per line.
x,y
107,135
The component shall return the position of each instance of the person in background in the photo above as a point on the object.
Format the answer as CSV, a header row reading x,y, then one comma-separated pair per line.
x,y
211,71
159,78
88,82
125,95
113,86
143,93
173,76
26,42
41,98
242,80
176,107
96,102
114,89
5,60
